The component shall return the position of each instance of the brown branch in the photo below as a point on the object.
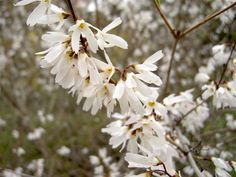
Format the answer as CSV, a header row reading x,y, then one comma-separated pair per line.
x,y
171,29
205,20
225,66
97,13
71,9
165,89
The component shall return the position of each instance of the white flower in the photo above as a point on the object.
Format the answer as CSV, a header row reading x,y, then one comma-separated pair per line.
x,y
131,129
150,160
2,123
10,173
82,28
127,96
99,95
103,164
37,166
220,163
222,167
36,134
106,40
15,134
58,15
201,78
38,12
154,106
208,90
19,151
173,99
62,59
220,56
223,96
145,70
63,151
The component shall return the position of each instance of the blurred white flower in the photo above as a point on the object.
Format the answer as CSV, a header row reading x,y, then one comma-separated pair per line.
x,y
36,134
10,173
63,151
37,166
2,123
15,134
19,151
201,78
223,168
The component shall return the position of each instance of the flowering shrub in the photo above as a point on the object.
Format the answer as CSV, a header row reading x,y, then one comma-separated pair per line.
x,y
153,127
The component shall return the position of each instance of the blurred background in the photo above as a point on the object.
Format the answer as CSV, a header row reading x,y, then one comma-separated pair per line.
x,y
42,130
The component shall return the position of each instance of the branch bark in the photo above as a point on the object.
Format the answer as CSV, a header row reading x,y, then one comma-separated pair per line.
x,y
71,9
171,29
206,19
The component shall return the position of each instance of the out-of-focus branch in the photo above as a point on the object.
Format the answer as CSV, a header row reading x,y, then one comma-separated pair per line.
x,y
205,20
171,29
225,66
97,13
19,109
212,132
165,89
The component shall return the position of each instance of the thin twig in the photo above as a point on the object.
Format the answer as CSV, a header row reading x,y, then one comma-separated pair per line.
x,y
225,66
170,67
97,13
206,19
171,29
71,9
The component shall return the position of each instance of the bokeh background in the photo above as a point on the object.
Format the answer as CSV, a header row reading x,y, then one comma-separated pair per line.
x,y
38,118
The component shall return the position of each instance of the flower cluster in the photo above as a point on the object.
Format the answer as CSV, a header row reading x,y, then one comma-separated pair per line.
x,y
144,139
144,126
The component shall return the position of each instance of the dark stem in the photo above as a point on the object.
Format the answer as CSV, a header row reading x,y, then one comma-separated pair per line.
x,y
170,67
225,66
71,9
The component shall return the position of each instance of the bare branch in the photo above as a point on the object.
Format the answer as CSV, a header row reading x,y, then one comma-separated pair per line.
x,y
206,19
165,89
71,9
171,29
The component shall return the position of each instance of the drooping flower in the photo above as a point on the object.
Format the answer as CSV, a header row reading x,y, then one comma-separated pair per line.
x,y
151,161
145,70
82,28
106,40
35,16
58,15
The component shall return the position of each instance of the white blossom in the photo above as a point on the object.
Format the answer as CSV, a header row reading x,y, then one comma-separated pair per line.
x,y
37,166
82,28
38,12
106,40
36,134
63,151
